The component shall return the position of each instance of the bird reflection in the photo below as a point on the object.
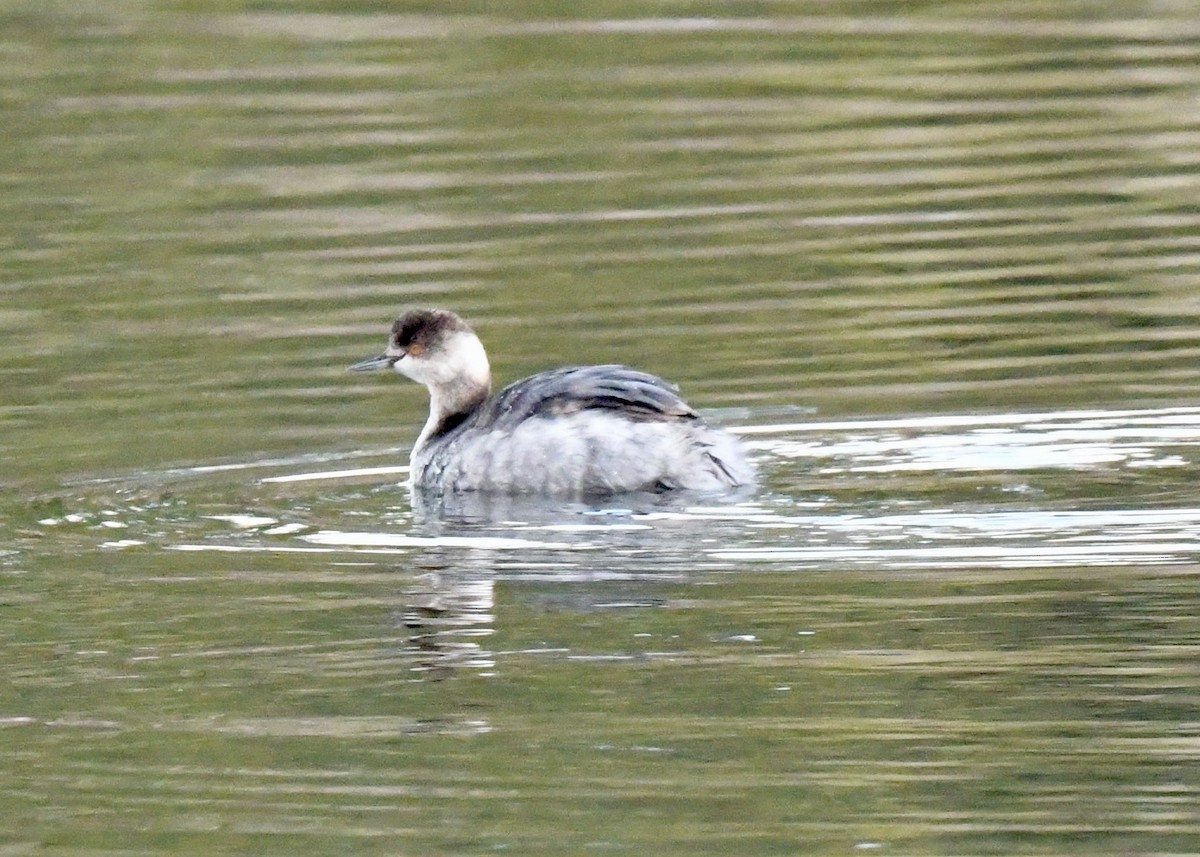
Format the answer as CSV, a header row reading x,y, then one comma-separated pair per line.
x,y
447,618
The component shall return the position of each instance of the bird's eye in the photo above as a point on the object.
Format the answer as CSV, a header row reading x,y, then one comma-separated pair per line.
x,y
415,349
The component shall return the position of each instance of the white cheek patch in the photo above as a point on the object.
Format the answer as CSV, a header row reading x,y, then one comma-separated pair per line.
x,y
405,367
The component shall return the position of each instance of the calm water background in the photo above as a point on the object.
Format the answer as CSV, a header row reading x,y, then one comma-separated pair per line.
x,y
937,262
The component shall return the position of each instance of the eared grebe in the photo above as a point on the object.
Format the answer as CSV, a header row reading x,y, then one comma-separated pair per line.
x,y
578,430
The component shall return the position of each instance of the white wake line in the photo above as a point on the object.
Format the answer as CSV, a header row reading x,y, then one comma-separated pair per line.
x,y
967,420
969,555
393,470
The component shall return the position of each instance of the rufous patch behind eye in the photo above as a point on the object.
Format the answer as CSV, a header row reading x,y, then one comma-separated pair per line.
x,y
415,349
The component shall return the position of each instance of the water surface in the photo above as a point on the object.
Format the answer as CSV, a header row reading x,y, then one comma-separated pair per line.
x,y
934,263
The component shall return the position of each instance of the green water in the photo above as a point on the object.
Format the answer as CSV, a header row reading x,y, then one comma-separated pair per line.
x,y
970,632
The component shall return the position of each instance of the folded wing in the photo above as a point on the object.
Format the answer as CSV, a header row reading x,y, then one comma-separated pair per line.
x,y
632,394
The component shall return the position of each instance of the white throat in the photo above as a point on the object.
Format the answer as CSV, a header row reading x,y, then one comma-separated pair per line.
x,y
458,377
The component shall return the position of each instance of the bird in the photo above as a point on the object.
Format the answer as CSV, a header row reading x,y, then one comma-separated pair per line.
x,y
577,430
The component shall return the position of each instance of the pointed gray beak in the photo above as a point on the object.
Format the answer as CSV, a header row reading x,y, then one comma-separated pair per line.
x,y
383,361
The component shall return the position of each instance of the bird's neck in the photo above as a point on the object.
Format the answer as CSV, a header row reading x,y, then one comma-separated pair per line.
x,y
449,405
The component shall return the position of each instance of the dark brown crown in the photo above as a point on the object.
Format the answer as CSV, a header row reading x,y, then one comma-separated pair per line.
x,y
425,328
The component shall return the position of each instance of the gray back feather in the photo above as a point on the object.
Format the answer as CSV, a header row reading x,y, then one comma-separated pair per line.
x,y
632,394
